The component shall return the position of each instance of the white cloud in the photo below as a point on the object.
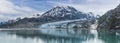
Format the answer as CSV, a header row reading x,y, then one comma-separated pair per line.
x,y
9,10
97,7
91,0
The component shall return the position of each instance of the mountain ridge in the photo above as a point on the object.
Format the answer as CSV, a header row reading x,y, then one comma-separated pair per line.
x,y
58,13
110,20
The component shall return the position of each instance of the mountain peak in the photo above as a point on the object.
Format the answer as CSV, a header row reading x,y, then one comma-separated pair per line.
x,y
61,11
65,8
65,12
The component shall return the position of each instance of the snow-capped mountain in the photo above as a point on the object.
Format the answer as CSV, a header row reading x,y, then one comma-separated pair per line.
x,y
67,12
59,13
91,15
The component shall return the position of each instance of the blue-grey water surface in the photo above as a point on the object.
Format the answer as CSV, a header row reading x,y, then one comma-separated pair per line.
x,y
58,36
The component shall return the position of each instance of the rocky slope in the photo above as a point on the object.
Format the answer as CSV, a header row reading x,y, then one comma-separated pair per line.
x,y
110,20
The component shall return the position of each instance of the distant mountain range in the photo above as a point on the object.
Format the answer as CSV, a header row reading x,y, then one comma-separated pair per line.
x,y
59,13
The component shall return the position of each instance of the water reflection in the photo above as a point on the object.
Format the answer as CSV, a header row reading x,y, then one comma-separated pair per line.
x,y
58,36
109,37
6,37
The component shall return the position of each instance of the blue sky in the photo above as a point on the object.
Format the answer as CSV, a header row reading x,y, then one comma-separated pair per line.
x,y
11,9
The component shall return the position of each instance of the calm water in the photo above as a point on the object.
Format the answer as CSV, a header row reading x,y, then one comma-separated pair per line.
x,y
58,36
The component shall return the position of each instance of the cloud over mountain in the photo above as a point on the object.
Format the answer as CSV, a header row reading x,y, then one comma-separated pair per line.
x,y
9,10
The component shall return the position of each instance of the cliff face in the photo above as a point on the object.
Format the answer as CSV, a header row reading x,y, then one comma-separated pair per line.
x,y
110,20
